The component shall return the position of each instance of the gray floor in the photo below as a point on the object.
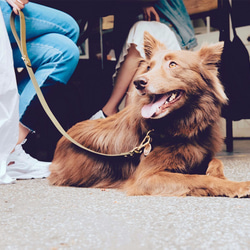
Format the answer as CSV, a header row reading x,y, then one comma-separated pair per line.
x,y
34,215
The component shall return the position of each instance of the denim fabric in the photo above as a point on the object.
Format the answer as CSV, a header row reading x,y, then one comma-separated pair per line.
x,y
51,45
174,14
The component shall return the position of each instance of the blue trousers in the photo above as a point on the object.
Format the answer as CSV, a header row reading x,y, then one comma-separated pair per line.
x,y
51,46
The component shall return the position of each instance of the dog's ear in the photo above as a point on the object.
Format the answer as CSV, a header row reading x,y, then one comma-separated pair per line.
x,y
151,45
211,55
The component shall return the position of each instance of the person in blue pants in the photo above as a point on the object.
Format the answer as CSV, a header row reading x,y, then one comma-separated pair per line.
x,y
51,45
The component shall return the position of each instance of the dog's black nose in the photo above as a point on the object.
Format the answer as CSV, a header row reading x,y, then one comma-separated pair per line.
x,y
140,82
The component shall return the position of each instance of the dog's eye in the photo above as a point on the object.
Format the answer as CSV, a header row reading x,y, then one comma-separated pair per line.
x,y
148,68
172,65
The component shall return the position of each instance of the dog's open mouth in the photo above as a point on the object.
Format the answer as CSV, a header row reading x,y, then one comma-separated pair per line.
x,y
160,103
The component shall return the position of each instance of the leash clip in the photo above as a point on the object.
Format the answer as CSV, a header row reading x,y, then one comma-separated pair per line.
x,y
145,144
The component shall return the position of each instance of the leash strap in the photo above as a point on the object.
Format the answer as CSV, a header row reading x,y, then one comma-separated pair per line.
x,y
22,46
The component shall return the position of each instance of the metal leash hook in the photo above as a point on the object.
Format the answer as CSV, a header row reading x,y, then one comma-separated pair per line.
x,y
145,144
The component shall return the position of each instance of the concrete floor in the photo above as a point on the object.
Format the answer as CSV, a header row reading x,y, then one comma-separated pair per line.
x,y
34,215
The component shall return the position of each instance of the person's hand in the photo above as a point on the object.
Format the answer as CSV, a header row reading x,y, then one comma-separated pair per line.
x,y
150,14
17,4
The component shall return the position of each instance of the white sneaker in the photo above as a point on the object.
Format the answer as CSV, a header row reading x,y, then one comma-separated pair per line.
x,y
98,115
23,166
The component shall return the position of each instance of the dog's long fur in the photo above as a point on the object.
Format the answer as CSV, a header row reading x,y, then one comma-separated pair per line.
x,y
186,133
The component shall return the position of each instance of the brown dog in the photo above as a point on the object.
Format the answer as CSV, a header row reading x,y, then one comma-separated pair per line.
x,y
180,97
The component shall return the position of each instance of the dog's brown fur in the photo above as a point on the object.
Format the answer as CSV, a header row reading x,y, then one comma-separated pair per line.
x,y
185,140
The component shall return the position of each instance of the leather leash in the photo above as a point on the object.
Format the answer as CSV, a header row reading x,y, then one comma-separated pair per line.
x,y
145,144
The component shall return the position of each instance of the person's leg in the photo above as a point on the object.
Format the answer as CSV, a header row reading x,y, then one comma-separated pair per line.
x,y
51,37
41,20
54,58
23,132
124,77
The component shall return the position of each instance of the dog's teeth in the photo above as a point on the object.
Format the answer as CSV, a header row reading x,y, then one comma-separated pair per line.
x,y
172,97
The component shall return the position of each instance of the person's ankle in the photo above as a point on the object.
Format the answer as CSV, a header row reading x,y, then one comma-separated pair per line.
x,y
108,113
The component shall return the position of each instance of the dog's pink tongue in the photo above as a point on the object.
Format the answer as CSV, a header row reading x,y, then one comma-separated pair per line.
x,y
149,110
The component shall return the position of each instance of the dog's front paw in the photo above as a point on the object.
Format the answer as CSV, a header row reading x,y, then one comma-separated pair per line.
x,y
243,190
